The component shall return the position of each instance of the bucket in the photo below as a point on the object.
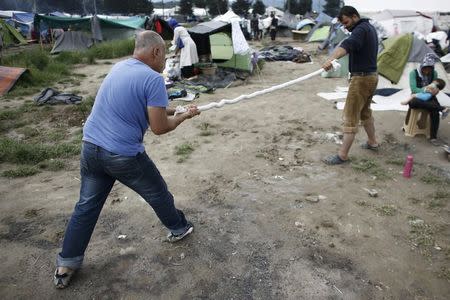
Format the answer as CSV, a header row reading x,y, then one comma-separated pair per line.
x,y
210,70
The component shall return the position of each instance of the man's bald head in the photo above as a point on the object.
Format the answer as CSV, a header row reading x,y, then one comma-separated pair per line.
x,y
147,39
150,48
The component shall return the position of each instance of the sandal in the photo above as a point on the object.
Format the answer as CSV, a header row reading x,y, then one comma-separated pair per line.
x,y
334,159
435,142
61,281
368,146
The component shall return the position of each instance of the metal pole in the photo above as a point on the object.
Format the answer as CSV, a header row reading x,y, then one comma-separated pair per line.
x,y
163,9
95,6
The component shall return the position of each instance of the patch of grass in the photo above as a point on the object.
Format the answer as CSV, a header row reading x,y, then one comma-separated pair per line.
x,y
71,58
422,235
414,200
363,203
431,178
21,171
397,161
56,135
205,129
370,166
183,151
444,273
439,199
29,132
387,210
27,153
110,50
53,165
44,70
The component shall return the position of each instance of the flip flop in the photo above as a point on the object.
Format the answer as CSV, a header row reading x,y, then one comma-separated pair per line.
x,y
435,142
334,160
367,146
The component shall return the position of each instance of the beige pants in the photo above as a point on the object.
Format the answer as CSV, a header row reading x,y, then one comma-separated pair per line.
x,y
357,104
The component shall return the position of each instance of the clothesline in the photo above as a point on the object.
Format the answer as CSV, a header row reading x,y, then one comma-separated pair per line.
x,y
181,109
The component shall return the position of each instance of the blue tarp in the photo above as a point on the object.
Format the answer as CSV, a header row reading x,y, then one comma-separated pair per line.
x,y
23,17
323,18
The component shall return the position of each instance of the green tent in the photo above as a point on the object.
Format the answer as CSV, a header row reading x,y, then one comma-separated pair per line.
x,y
320,34
222,49
10,36
392,60
101,28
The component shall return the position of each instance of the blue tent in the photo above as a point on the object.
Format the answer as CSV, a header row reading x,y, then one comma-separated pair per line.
x,y
23,22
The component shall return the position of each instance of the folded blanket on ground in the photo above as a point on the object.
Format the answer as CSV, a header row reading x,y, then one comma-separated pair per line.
x,y
51,96
284,53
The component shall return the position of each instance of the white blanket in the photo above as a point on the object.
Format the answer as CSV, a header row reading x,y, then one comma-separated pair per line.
x,y
391,102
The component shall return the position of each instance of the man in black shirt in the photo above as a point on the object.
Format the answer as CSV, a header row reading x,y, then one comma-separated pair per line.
x,y
273,26
362,47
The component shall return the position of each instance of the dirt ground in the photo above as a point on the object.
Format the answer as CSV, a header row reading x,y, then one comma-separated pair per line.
x,y
272,221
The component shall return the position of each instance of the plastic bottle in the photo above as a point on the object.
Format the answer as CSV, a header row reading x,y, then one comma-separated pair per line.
x,y
407,169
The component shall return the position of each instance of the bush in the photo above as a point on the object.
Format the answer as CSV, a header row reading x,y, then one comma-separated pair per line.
x,y
71,58
24,153
37,58
21,171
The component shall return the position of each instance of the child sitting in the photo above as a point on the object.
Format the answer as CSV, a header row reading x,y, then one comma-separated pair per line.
x,y
426,94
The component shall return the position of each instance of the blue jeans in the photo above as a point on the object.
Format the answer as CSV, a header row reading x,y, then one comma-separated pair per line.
x,y
99,170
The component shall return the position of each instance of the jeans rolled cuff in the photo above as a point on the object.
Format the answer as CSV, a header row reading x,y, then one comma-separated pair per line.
x,y
70,262
179,230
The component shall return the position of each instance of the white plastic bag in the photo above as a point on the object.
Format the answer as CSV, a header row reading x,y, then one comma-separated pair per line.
x,y
172,68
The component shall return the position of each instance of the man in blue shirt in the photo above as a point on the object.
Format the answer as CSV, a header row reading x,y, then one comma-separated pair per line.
x,y
362,47
131,97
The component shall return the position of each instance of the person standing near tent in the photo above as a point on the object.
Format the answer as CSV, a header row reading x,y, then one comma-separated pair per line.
x,y
419,79
362,47
184,46
254,24
130,99
273,26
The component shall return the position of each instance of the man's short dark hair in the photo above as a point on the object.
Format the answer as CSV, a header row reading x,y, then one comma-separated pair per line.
x,y
347,11
440,83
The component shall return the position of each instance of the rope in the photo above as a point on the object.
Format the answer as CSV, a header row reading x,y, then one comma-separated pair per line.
x,y
182,109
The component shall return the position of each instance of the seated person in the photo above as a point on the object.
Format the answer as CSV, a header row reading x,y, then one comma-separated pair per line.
x,y
427,94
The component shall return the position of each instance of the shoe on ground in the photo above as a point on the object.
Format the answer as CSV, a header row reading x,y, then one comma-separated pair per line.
x,y
61,281
175,238
435,142
368,146
334,159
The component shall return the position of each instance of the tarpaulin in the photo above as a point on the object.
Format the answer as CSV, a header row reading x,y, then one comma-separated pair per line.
x,y
8,77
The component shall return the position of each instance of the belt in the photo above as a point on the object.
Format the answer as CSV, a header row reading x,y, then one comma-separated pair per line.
x,y
363,73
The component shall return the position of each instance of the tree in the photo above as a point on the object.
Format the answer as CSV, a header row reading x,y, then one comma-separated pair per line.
x,y
185,7
141,7
305,6
292,6
240,7
259,7
332,7
200,3
217,7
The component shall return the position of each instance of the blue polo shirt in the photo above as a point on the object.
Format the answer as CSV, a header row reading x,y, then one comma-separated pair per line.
x,y
119,117
362,46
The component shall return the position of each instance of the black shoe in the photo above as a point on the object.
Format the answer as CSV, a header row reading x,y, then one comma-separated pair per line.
x,y
61,281
175,238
